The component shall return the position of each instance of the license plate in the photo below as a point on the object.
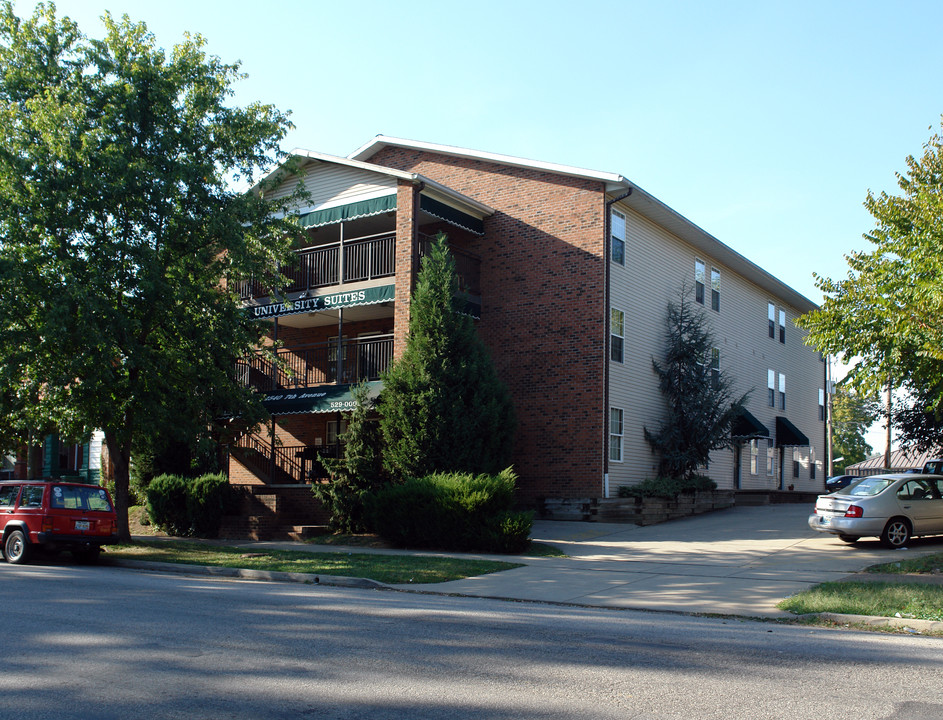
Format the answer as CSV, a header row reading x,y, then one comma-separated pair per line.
x,y
81,524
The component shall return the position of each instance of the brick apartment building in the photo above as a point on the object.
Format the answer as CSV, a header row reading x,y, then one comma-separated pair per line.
x,y
570,272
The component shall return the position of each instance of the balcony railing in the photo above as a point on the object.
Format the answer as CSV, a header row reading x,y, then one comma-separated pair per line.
x,y
365,258
292,464
467,265
305,366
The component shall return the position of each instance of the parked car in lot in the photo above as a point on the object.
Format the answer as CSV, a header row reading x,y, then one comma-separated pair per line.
x,y
892,507
55,516
837,482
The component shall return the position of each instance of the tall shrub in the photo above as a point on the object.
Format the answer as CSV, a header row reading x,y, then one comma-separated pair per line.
x,y
356,476
443,407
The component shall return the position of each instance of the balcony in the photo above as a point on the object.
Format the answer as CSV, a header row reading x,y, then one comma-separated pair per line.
x,y
304,366
365,258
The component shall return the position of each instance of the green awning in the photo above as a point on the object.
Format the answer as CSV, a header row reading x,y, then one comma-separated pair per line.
x,y
322,399
747,427
367,296
351,211
451,215
788,434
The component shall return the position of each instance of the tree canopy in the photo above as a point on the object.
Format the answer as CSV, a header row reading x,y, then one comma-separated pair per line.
x,y
886,317
121,233
443,407
701,404
852,414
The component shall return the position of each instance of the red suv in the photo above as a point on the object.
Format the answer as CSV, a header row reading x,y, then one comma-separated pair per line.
x,y
55,516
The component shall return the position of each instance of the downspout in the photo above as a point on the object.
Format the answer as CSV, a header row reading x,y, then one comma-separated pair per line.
x,y
608,335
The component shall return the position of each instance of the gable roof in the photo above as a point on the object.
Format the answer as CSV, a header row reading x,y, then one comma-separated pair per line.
x,y
616,185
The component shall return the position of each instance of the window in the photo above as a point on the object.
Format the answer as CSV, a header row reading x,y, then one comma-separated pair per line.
x,y
615,434
782,326
770,457
771,387
715,368
616,335
8,495
812,463
754,455
617,234
771,312
795,462
715,289
821,404
782,391
700,272
332,431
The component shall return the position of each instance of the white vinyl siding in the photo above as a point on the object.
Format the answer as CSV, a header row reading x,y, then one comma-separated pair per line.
x,y
334,185
660,264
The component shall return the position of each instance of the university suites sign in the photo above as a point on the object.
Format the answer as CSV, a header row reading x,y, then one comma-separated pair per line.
x,y
367,296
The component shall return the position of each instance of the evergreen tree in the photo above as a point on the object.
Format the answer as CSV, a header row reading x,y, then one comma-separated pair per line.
x,y
443,408
359,474
701,406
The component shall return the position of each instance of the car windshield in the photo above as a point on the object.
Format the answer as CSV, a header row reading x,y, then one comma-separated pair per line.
x,y
72,497
868,486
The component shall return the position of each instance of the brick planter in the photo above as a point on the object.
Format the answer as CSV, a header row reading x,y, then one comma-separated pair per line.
x,y
649,511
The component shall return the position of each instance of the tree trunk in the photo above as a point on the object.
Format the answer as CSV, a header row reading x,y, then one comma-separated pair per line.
x,y
120,455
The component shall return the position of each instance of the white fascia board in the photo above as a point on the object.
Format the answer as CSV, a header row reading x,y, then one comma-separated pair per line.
x,y
380,141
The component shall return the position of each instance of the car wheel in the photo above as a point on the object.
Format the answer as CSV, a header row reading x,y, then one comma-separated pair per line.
x,y
848,538
15,549
896,533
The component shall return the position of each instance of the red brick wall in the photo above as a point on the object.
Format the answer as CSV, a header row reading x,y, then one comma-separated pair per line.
x,y
543,314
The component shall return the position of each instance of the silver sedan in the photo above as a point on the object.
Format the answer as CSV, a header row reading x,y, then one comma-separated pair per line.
x,y
894,508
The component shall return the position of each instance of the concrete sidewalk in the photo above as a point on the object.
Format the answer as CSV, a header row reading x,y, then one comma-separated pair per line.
x,y
741,561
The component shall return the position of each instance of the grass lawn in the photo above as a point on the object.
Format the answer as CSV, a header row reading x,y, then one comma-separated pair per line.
x,y
391,569
881,599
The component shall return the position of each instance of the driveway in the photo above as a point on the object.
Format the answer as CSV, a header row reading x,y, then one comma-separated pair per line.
x,y
740,561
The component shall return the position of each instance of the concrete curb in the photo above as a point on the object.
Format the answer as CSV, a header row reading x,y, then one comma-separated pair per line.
x,y
914,625
243,574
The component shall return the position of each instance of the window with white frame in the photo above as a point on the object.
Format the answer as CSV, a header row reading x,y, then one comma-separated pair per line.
x,y
782,326
770,458
616,335
616,432
795,462
617,235
771,387
700,277
715,368
782,391
715,289
812,463
771,312
821,404
754,456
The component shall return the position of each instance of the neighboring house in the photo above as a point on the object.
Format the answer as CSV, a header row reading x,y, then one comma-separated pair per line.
x,y
900,461
57,457
569,272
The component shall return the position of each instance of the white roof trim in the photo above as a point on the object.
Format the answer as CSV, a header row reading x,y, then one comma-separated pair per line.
x,y
380,141
415,178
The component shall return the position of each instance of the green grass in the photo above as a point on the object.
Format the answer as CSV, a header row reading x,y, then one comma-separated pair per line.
x,y
393,569
932,564
373,541
921,602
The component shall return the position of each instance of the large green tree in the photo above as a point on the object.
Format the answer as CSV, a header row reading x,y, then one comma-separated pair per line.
x,y
886,317
121,236
443,407
701,405
852,415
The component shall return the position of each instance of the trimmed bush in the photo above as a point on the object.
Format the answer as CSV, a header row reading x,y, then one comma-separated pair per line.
x,y
453,511
185,507
667,488
208,500
167,504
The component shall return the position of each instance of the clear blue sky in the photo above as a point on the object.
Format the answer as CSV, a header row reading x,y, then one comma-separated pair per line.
x,y
765,123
